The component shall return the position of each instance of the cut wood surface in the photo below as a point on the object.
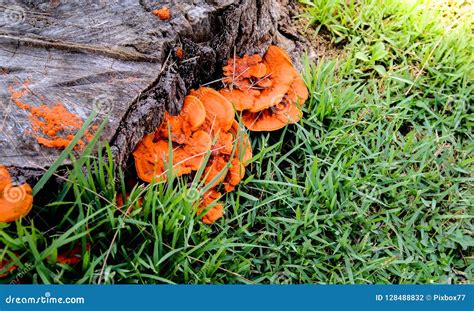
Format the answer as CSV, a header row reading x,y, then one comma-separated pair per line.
x,y
119,59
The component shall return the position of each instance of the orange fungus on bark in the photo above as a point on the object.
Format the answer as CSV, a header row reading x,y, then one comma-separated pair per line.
x,y
52,126
163,13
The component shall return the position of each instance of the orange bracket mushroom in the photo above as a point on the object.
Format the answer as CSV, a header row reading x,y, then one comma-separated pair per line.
x,y
151,156
189,144
216,211
222,166
15,201
206,123
219,111
269,96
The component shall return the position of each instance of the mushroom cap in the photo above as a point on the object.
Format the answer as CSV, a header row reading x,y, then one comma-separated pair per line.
x,y
282,76
71,256
216,168
224,143
236,143
150,156
163,13
193,112
238,69
190,119
190,156
258,70
298,93
235,175
270,89
216,212
273,118
15,201
219,111
242,100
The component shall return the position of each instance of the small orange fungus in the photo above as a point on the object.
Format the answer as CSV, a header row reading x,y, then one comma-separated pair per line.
x,y
217,209
179,52
52,127
3,264
71,256
15,201
163,13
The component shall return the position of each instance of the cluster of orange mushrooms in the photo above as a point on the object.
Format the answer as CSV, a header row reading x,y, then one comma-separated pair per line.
x,y
269,92
266,92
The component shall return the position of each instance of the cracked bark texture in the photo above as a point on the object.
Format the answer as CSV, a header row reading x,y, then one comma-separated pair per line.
x,y
118,58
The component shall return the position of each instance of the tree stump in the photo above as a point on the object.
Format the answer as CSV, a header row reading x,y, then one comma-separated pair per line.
x,y
119,59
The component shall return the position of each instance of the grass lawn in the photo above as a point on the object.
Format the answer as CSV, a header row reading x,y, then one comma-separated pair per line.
x,y
375,185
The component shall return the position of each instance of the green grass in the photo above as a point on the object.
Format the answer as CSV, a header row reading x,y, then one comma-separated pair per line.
x,y
375,185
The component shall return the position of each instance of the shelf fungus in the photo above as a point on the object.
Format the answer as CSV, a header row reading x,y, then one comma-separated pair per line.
x,y
15,201
205,126
269,92
231,150
215,209
153,154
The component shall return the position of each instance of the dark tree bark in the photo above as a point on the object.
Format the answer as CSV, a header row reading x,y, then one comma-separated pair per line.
x,y
118,58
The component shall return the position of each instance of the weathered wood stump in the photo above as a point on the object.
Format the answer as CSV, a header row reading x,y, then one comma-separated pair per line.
x,y
119,59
